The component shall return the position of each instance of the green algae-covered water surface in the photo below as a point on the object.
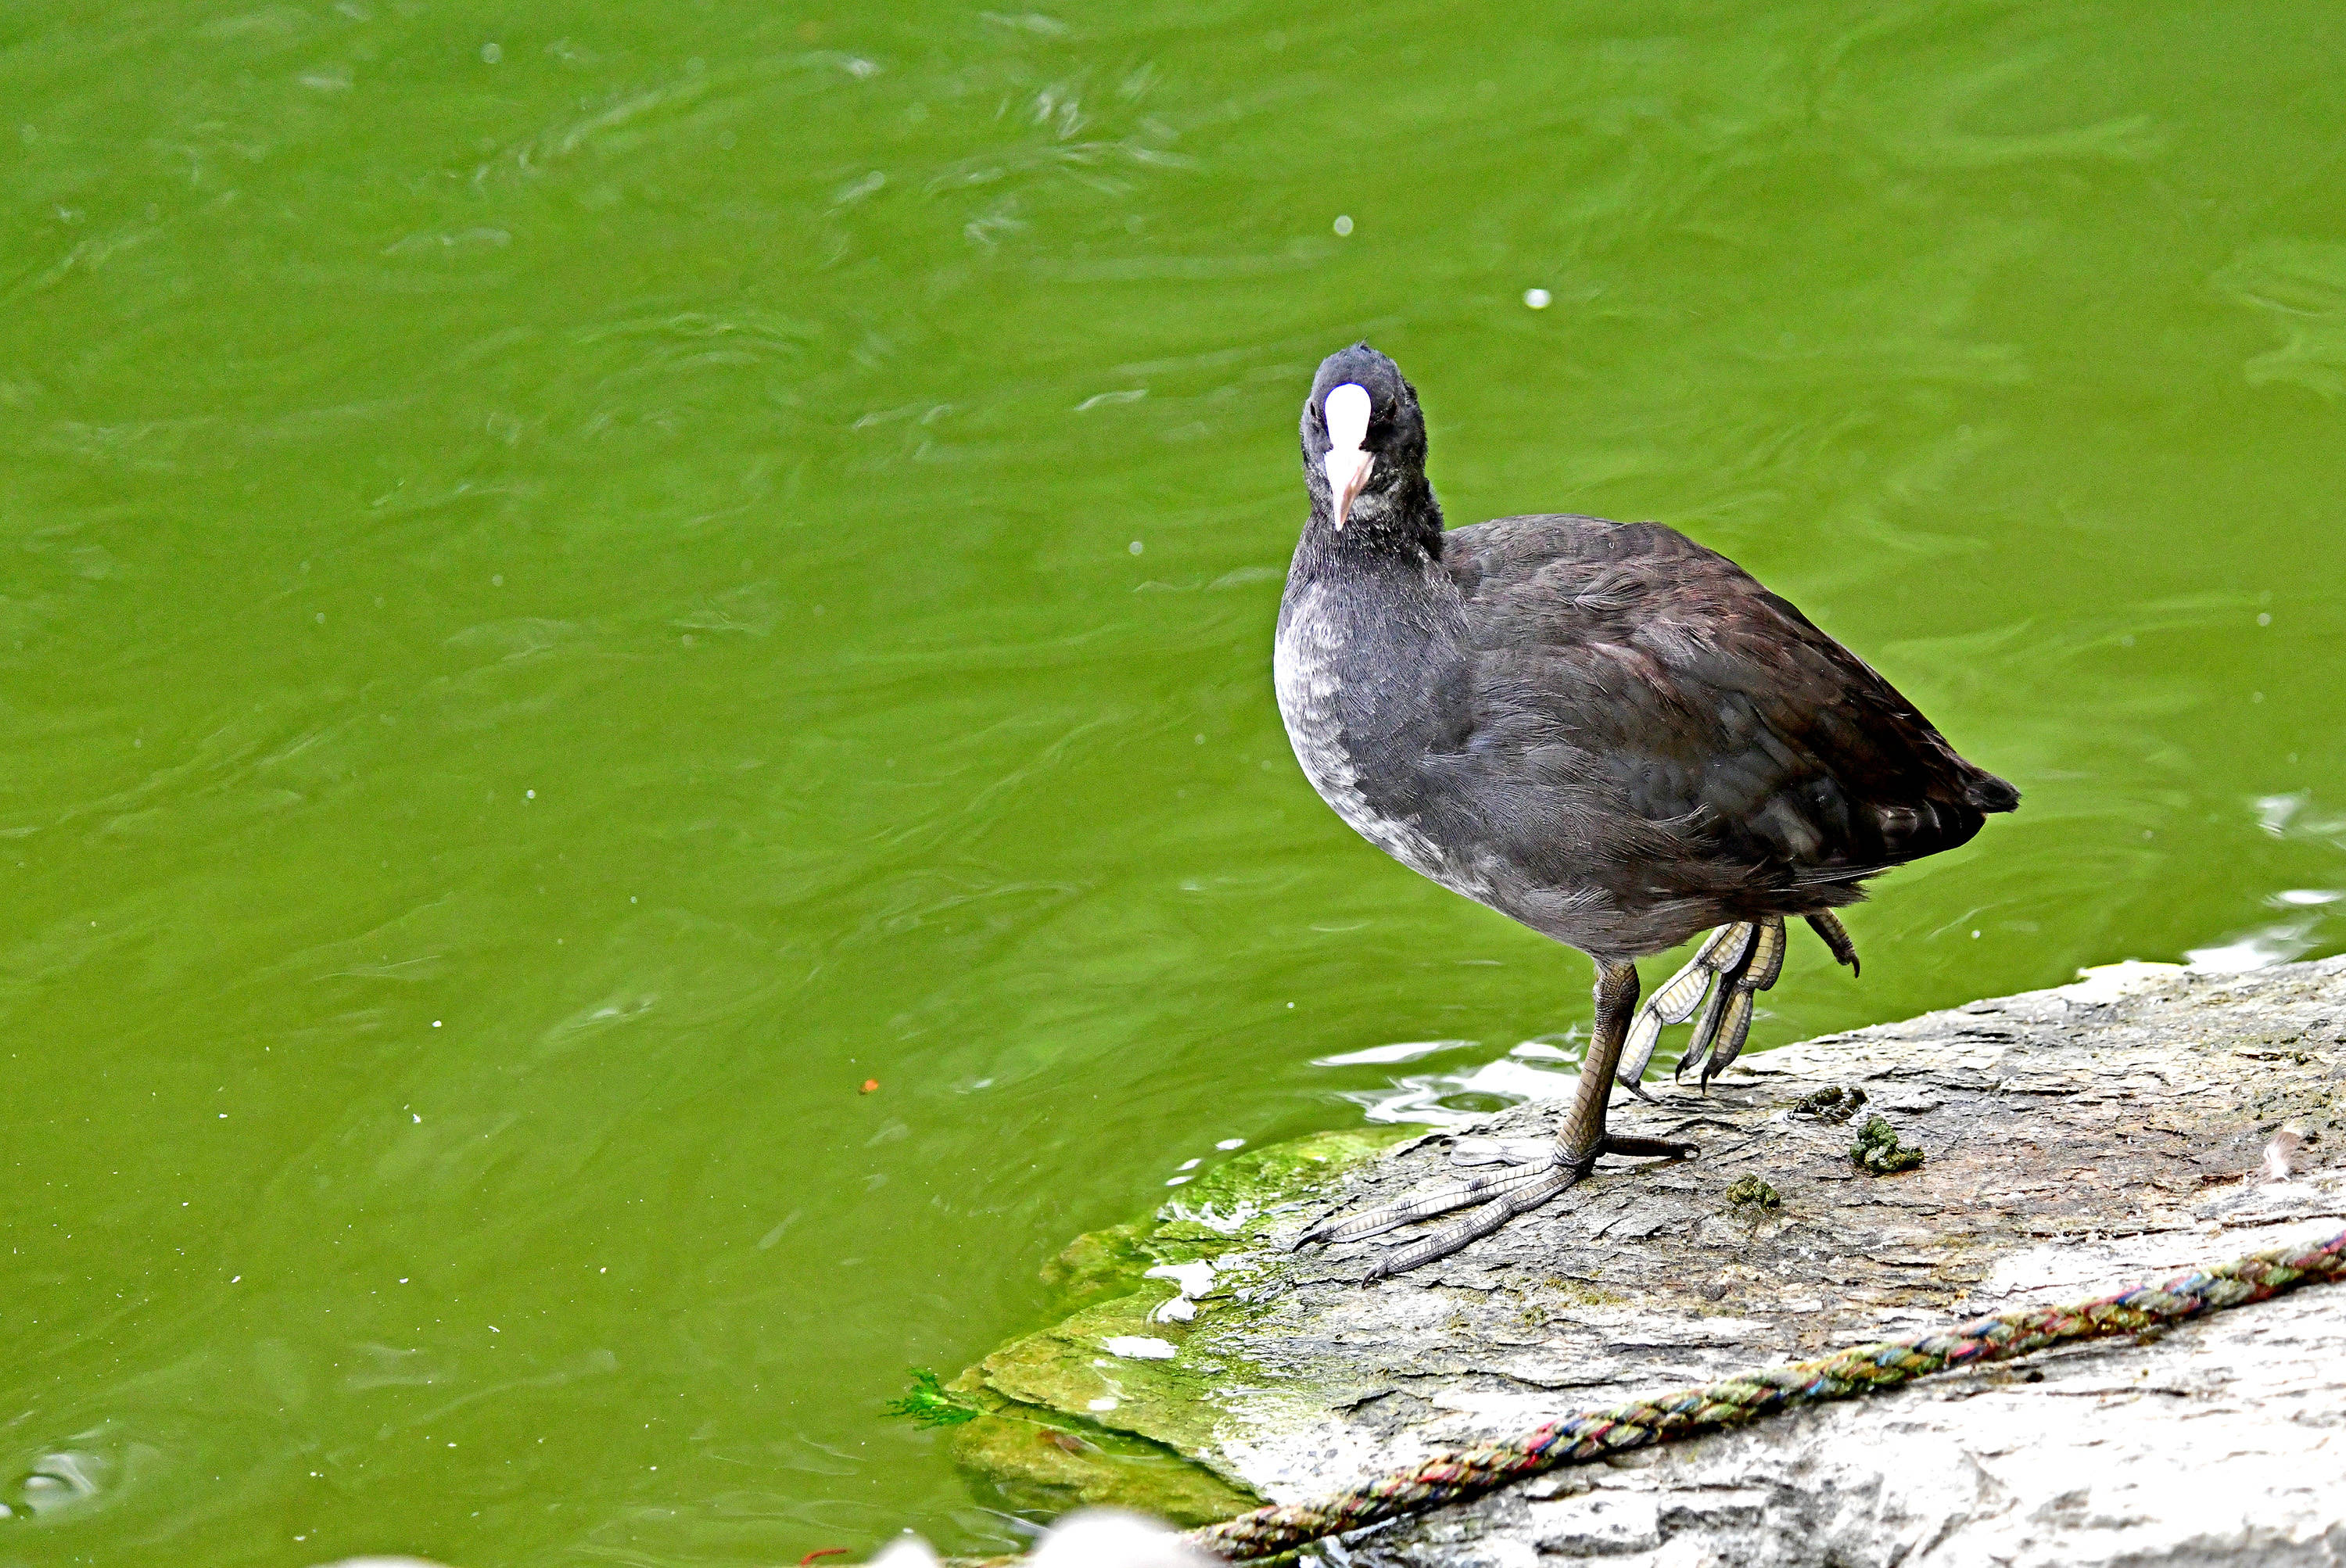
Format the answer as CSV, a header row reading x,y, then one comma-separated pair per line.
x,y
634,657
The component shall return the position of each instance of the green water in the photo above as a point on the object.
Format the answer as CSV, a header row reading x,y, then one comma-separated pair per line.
x,y
580,583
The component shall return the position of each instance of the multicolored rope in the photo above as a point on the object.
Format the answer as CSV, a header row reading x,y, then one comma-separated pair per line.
x,y
1456,1474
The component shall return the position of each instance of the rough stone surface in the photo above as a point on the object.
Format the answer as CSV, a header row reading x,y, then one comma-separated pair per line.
x,y
2077,1140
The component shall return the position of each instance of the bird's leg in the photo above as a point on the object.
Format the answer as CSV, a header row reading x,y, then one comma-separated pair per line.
x,y
1519,1189
1828,926
1676,999
1583,1136
1726,1022
1578,1142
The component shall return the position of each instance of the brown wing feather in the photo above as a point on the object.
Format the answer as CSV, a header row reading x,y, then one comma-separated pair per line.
x,y
1624,668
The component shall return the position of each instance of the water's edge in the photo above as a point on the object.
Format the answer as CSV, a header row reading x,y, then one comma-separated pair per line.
x,y
1061,1422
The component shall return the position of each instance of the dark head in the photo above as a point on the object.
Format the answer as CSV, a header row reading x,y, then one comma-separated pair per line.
x,y
1364,449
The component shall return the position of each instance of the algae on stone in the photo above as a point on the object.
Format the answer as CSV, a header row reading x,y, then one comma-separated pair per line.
x,y
1100,1264
928,1404
1065,1422
1040,1466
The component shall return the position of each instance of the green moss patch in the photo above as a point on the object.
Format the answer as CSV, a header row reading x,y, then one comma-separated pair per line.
x,y
928,1404
1036,1465
1066,1420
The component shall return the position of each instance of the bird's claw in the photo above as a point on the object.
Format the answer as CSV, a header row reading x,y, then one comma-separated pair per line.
x,y
1501,1150
1630,1147
1835,935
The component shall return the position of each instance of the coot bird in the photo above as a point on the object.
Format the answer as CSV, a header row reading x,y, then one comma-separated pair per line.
x,y
1603,730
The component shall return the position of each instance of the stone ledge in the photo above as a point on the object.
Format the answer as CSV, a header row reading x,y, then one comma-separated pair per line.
x,y
2077,1140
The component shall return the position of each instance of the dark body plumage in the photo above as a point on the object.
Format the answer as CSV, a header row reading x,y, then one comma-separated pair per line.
x,y
1605,730
1602,729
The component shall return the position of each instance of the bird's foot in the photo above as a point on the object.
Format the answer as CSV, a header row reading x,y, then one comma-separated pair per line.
x,y
1725,1023
1718,989
1528,1183
1727,971
1676,999
1465,1194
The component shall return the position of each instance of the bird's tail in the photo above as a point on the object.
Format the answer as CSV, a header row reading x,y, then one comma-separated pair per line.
x,y
1986,792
